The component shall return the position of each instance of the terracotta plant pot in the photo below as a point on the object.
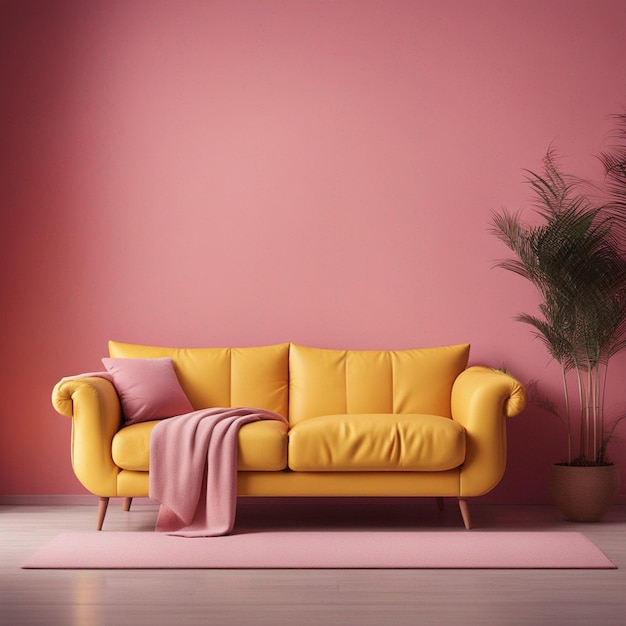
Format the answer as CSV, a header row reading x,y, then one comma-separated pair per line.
x,y
584,494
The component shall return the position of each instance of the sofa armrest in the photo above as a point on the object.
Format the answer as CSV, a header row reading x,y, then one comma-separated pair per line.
x,y
93,404
482,400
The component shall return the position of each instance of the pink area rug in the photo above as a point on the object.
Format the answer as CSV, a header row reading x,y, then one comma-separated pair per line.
x,y
322,550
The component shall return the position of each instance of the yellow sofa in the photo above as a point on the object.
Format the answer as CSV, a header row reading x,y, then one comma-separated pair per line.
x,y
361,422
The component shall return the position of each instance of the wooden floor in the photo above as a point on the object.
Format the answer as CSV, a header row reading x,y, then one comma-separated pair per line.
x,y
310,597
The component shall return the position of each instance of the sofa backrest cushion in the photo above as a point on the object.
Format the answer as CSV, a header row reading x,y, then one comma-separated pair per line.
x,y
331,382
255,377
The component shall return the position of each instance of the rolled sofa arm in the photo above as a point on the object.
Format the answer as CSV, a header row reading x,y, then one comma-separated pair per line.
x,y
94,406
482,399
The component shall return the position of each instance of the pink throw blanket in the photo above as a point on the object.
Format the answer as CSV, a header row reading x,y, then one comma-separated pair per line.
x,y
193,470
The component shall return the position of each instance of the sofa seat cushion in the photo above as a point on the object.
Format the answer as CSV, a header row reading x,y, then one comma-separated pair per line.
x,y
376,442
262,446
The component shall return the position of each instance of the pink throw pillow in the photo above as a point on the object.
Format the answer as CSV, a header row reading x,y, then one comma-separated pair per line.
x,y
148,388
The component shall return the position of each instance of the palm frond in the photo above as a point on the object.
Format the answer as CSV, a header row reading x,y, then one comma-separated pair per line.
x,y
576,259
614,163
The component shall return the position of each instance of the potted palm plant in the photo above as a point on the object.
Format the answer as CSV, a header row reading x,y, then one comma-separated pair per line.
x,y
574,255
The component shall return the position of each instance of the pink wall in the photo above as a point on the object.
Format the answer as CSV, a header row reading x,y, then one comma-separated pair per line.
x,y
241,173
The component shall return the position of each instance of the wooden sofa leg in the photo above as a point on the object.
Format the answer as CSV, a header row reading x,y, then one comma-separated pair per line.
x,y
126,504
440,504
103,503
465,514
